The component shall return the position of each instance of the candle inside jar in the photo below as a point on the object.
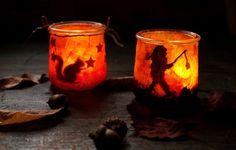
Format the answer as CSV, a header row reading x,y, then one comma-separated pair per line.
x,y
77,55
166,62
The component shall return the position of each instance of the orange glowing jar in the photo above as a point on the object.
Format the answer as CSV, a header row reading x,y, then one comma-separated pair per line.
x,y
166,63
77,55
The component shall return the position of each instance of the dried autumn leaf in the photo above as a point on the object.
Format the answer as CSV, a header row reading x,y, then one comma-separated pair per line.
x,y
36,78
22,81
148,124
216,102
159,128
227,102
221,106
8,117
7,83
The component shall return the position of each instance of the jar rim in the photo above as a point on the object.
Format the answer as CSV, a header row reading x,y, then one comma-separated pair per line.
x,y
96,28
193,37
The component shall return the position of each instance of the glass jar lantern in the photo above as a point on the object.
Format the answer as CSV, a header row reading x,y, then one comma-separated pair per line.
x,y
166,63
77,57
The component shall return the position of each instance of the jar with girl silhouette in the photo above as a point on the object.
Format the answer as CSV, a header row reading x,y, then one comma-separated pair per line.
x,y
77,57
166,63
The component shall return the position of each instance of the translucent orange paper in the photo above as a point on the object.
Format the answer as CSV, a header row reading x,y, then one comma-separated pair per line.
x,y
166,62
77,55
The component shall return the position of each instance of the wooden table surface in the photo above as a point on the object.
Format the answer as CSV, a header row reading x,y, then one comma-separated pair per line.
x,y
217,72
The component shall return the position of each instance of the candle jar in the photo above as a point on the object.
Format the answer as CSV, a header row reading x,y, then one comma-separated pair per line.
x,y
166,63
77,55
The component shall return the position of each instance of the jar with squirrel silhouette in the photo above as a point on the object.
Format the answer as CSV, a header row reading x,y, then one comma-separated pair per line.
x,y
166,63
77,56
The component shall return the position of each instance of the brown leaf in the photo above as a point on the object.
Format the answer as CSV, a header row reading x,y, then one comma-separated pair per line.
x,y
7,83
36,78
8,117
140,111
221,107
159,128
148,124
227,102
22,81
216,102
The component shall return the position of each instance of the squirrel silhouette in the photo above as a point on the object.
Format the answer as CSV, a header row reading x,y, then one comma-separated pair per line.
x,y
70,72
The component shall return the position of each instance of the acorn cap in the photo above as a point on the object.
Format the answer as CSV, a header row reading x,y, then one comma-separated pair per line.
x,y
117,125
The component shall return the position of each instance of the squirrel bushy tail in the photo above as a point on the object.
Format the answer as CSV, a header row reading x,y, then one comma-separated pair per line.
x,y
70,71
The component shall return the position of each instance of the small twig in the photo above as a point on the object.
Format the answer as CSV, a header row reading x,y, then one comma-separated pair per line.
x,y
45,24
113,34
44,20
123,83
115,39
108,23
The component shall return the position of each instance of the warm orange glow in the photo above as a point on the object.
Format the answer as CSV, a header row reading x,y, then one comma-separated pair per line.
x,y
77,55
166,61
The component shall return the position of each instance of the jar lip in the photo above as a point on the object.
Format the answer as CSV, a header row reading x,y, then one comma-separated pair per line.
x,y
193,37
96,28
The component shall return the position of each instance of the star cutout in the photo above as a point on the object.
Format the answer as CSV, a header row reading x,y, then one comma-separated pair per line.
x,y
53,42
90,62
99,47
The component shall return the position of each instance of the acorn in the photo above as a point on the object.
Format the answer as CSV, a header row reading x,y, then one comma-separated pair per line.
x,y
117,125
99,134
105,138
110,134
57,101
112,138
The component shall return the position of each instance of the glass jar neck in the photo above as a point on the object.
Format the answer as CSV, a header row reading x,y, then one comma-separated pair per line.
x,y
77,28
167,36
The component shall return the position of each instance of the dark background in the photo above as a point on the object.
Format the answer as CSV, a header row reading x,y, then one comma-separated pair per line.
x,y
211,19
